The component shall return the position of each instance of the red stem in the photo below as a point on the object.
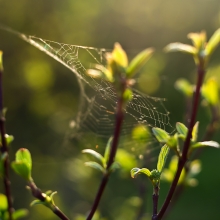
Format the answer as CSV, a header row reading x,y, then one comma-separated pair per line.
x,y
4,150
183,158
118,125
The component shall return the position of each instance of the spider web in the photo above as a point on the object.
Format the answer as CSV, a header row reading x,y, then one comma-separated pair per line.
x,y
98,99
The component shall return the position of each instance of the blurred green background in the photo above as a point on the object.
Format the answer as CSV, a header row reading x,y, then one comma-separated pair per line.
x,y
42,97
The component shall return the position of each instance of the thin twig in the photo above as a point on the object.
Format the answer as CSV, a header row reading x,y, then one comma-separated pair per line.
x,y
4,150
183,158
37,193
118,125
155,198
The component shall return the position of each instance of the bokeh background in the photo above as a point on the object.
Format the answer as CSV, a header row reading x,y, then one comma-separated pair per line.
x,y
42,97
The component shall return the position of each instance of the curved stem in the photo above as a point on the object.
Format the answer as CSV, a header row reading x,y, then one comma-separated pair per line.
x,y
183,158
4,150
118,125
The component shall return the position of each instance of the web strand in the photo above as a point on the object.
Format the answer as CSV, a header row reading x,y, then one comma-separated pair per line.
x,y
97,109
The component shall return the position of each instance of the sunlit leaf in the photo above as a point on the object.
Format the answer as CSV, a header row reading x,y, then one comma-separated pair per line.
x,y
119,55
195,131
162,157
181,128
198,39
22,169
138,61
161,135
185,87
136,171
107,149
213,42
175,47
141,133
23,155
95,154
3,203
36,202
20,213
206,144
23,163
210,91
95,165
127,95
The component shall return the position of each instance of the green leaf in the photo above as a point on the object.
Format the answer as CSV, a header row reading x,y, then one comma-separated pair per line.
x,y
135,171
138,61
119,55
141,133
206,144
185,87
20,213
175,47
95,154
162,157
161,135
37,202
107,149
22,169
3,203
210,91
127,95
181,128
172,141
96,166
195,131
213,42
198,39
23,155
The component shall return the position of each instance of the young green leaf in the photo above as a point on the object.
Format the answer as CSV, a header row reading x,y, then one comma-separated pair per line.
x,y
206,144
210,91
96,166
198,39
162,157
213,42
95,154
195,131
22,169
119,56
3,203
107,149
127,95
181,128
161,135
135,171
185,87
174,47
141,133
23,164
20,213
23,155
137,63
